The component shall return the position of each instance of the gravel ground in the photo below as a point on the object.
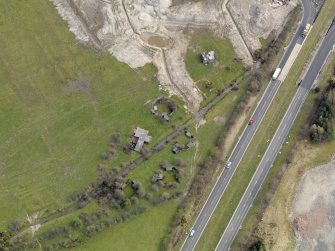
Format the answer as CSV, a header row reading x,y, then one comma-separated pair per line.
x,y
313,210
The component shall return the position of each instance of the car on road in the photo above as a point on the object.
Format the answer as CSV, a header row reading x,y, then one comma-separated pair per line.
x,y
251,121
228,165
191,232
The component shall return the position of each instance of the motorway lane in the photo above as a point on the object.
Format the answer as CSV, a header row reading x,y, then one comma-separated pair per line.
x,y
244,141
276,143
309,9
226,175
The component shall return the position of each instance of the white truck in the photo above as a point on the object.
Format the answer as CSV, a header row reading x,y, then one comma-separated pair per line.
x,y
276,73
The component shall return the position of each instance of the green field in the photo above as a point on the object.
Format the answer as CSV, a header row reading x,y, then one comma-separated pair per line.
x,y
212,78
59,105
144,232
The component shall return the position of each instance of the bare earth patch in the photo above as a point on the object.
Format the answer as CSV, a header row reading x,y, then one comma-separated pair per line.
x,y
257,19
305,215
313,210
138,32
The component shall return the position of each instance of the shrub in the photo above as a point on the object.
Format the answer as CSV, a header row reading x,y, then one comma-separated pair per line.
x,y
76,223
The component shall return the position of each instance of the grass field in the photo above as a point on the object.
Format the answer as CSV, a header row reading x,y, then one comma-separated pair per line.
x,y
143,232
60,103
269,124
212,78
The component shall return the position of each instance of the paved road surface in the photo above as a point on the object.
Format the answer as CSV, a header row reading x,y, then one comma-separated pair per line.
x,y
247,135
276,143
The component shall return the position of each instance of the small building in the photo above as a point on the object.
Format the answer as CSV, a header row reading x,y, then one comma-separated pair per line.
x,y
154,110
157,177
142,137
169,169
189,144
177,148
208,57
165,116
188,134
120,185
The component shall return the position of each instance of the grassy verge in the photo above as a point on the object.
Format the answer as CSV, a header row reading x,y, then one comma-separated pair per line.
x,y
259,143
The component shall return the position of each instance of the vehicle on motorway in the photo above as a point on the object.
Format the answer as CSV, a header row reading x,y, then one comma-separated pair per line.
x,y
306,30
191,232
251,121
276,73
228,165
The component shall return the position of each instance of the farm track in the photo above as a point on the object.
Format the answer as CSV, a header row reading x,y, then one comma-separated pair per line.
x,y
168,72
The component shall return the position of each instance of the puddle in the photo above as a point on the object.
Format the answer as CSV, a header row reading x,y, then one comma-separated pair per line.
x,y
156,40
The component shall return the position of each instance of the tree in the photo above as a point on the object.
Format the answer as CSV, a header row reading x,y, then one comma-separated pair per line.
x,y
4,238
119,195
137,186
116,137
134,200
257,246
164,164
172,105
178,162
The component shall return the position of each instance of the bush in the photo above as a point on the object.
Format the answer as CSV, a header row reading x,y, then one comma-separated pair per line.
x,y
15,227
76,223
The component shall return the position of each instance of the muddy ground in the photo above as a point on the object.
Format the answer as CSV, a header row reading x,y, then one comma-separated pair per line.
x,y
138,32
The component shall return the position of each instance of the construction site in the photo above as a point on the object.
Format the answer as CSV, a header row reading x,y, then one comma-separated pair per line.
x,y
138,32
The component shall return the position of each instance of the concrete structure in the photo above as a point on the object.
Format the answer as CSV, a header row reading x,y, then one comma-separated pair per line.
x,y
189,144
177,148
154,110
142,137
165,116
208,57
188,134
157,177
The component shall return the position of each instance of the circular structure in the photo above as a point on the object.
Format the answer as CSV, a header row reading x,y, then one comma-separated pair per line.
x,y
155,40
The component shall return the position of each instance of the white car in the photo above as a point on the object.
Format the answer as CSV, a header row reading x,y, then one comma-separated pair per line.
x,y
191,233
228,165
